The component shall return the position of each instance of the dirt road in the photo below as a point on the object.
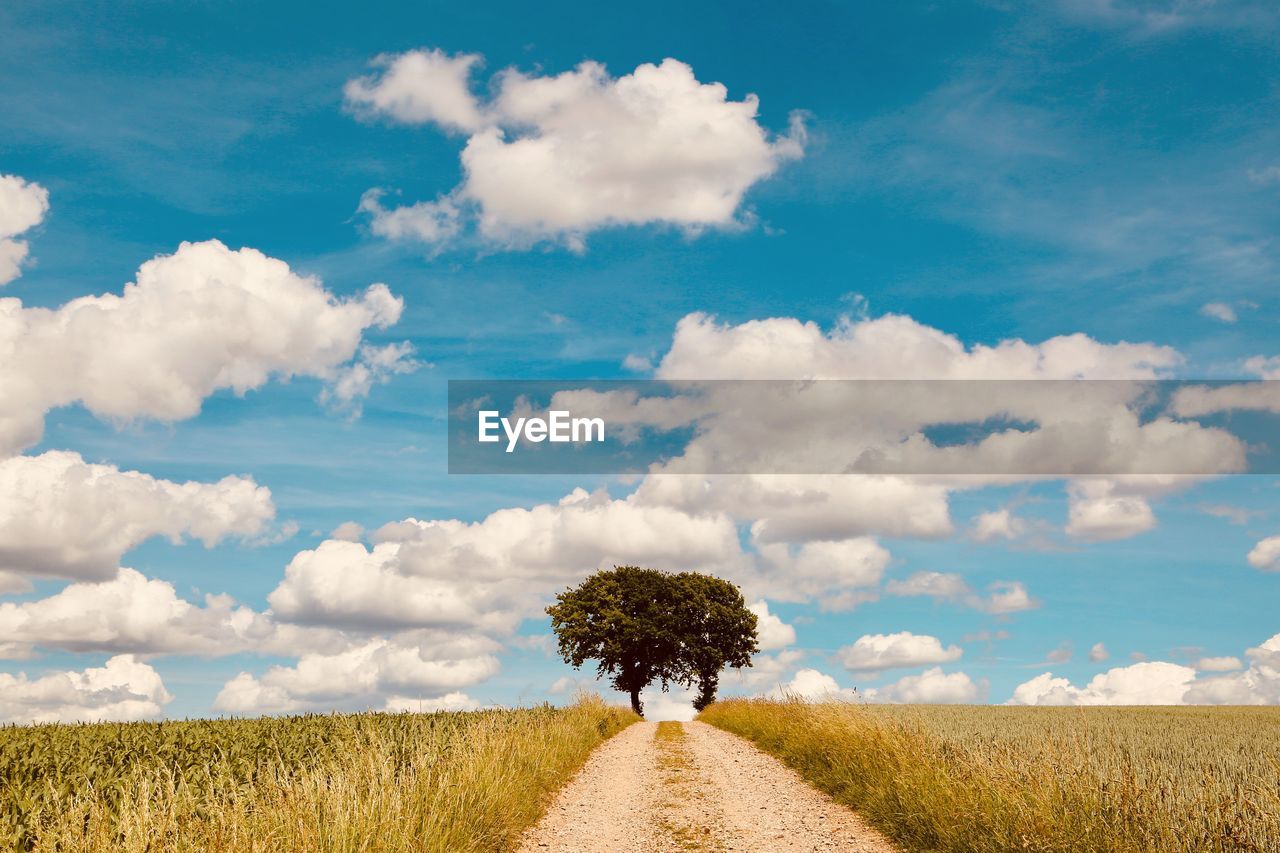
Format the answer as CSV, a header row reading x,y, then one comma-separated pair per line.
x,y
691,787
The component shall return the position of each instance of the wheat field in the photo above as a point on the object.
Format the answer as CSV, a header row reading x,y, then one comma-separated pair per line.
x,y
470,781
977,778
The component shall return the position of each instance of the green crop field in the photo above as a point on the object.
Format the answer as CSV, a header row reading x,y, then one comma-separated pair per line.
x,y
445,781
977,778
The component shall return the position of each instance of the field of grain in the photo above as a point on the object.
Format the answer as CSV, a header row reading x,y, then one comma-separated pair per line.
x,y
370,782
974,778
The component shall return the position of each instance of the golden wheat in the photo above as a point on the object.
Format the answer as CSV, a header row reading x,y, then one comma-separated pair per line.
x,y
1045,779
356,782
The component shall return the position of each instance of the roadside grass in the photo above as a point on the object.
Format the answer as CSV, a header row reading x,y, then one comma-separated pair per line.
x,y
470,781
976,779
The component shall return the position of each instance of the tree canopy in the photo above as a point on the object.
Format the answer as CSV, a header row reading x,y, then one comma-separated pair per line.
x,y
643,626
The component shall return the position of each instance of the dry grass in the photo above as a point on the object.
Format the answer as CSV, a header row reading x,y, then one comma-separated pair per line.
x,y
368,782
1045,779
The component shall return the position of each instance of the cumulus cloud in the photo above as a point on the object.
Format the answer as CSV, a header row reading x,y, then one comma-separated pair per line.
x,y
133,613
838,574
997,524
944,586
771,631
1147,683
891,347
419,87
730,431
1033,429
432,222
1220,311
380,669
23,205
1266,554
63,517
1265,367
490,574
351,383
877,652
1002,596
1257,685
799,508
1098,653
556,157
124,689
931,687
202,319
811,685
1219,664
455,701
1099,511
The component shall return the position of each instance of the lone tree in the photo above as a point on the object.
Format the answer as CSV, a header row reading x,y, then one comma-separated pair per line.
x,y
643,625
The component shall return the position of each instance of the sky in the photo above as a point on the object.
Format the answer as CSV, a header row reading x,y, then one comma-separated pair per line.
x,y
244,246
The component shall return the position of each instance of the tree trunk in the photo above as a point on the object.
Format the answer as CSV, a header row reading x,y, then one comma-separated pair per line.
x,y
636,704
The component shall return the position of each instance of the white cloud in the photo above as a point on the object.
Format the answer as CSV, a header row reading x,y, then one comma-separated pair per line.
x,y
838,574
674,704
1002,596
807,427
1098,653
1266,554
891,347
1234,514
351,383
1257,685
202,319
931,687
23,205
1007,597
1062,654
11,583
944,586
798,508
426,221
772,632
1219,664
417,87
765,670
1147,683
489,574
348,531
123,689
379,670
63,517
1266,175
877,652
455,701
1098,511
1155,18
997,524
133,613
556,157
1219,311
811,686
1263,366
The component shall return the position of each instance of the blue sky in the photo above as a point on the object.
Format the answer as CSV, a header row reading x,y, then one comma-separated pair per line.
x,y
992,171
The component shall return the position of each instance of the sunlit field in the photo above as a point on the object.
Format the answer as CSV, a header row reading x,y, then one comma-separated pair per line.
x,y
445,781
973,778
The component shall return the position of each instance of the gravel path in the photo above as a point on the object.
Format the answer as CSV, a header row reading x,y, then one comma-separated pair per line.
x,y
659,787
